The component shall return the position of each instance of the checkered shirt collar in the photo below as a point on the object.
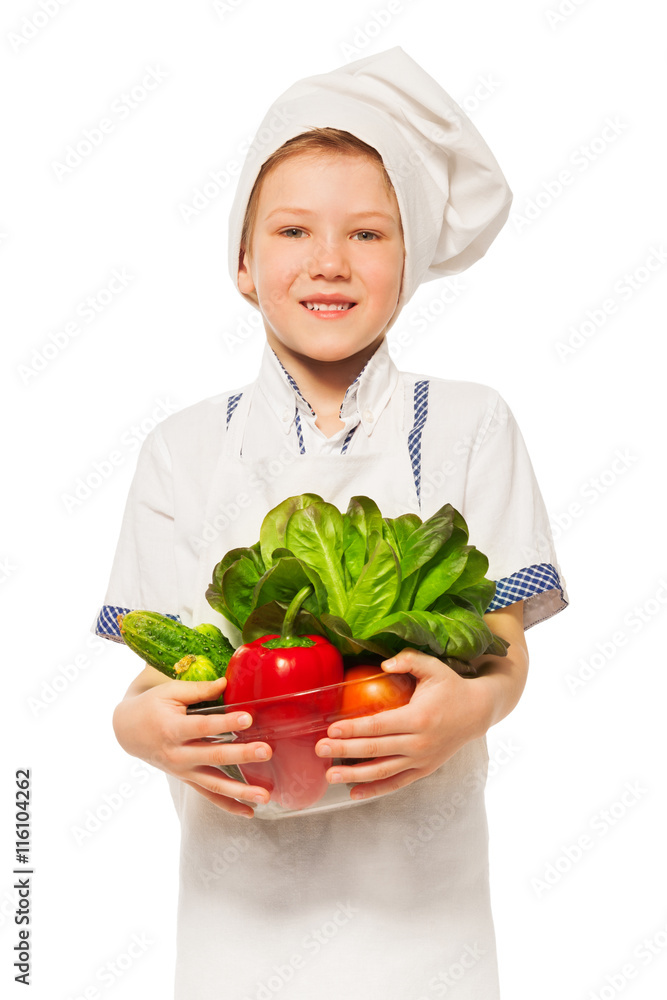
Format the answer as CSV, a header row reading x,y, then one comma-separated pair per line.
x,y
364,399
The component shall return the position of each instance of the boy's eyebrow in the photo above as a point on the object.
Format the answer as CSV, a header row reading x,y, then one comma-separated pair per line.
x,y
295,210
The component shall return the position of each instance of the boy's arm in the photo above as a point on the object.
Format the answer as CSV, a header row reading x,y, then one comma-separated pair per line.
x,y
148,678
504,676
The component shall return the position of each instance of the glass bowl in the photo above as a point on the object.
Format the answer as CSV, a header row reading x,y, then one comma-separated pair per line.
x,y
292,724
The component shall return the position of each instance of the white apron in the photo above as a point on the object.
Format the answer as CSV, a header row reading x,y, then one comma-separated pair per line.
x,y
385,899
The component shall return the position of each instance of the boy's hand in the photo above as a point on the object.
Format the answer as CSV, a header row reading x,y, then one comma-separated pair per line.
x,y
153,724
445,712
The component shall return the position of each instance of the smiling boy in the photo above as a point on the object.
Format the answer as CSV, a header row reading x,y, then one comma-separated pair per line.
x,y
326,230
329,237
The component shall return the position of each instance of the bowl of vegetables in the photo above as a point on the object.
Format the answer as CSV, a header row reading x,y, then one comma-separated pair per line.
x,y
295,776
321,589
294,686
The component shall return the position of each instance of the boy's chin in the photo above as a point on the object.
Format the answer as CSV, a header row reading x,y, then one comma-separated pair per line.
x,y
325,351
339,356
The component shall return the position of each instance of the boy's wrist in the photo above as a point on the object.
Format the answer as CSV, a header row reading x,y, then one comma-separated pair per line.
x,y
500,680
498,685
147,679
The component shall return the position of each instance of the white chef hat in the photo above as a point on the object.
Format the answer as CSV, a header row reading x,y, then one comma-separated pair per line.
x,y
451,193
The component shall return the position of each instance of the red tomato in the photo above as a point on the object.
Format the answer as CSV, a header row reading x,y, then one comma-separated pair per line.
x,y
381,691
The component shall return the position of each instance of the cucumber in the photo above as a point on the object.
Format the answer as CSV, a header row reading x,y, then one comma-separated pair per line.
x,y
213,633
162,642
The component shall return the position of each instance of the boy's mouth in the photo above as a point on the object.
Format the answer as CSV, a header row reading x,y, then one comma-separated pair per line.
x,y
318,306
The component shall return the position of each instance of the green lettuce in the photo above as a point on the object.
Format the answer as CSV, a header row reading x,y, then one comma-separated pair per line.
x,y
377,584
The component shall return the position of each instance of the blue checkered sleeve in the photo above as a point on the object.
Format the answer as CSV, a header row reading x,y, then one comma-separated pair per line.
x,y
526,584
107,622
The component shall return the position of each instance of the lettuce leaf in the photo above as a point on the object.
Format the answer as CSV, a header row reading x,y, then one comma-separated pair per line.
x,y
273,530
376,589
315,535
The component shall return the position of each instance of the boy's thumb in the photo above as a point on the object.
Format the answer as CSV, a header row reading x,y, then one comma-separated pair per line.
x,y
194,691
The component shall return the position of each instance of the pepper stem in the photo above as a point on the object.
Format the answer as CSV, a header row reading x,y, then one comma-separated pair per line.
x,y
287,631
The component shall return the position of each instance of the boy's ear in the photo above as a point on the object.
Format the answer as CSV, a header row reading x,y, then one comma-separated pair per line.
x,y
244,278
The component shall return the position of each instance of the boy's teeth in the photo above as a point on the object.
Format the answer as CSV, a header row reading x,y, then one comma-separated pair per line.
x,y
318,306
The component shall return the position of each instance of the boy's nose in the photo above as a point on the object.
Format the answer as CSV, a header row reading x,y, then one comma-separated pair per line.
x,y
328,260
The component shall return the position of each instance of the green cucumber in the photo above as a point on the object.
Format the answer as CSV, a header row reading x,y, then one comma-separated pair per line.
x,y
213,633
162,642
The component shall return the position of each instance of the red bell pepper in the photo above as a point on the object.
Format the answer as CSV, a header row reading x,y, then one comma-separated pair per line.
x,y
281,665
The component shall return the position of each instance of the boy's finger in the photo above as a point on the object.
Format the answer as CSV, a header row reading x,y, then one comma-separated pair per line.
x,y
362,748
190,692
414,661
379,769
217,755
207,726
393,722
216,781
386,785
223,801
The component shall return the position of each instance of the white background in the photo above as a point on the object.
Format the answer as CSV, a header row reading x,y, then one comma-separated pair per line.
x,y
574,764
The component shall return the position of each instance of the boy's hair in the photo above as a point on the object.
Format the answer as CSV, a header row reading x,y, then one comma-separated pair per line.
x,y
316,140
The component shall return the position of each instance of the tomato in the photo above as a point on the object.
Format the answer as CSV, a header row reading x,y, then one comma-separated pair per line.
x,y
379,693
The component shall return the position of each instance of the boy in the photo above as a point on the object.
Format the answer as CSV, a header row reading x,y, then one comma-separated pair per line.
x,y
329,237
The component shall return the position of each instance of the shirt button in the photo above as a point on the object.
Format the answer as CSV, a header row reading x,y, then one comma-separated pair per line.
x,y
368,415
286,415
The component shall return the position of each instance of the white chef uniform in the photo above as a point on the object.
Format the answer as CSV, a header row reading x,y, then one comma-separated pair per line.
x,y
388,898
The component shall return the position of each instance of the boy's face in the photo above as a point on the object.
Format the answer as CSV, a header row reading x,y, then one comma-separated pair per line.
x,y
327,232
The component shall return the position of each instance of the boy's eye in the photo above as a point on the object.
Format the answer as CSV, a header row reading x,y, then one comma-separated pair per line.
x,y
366,237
